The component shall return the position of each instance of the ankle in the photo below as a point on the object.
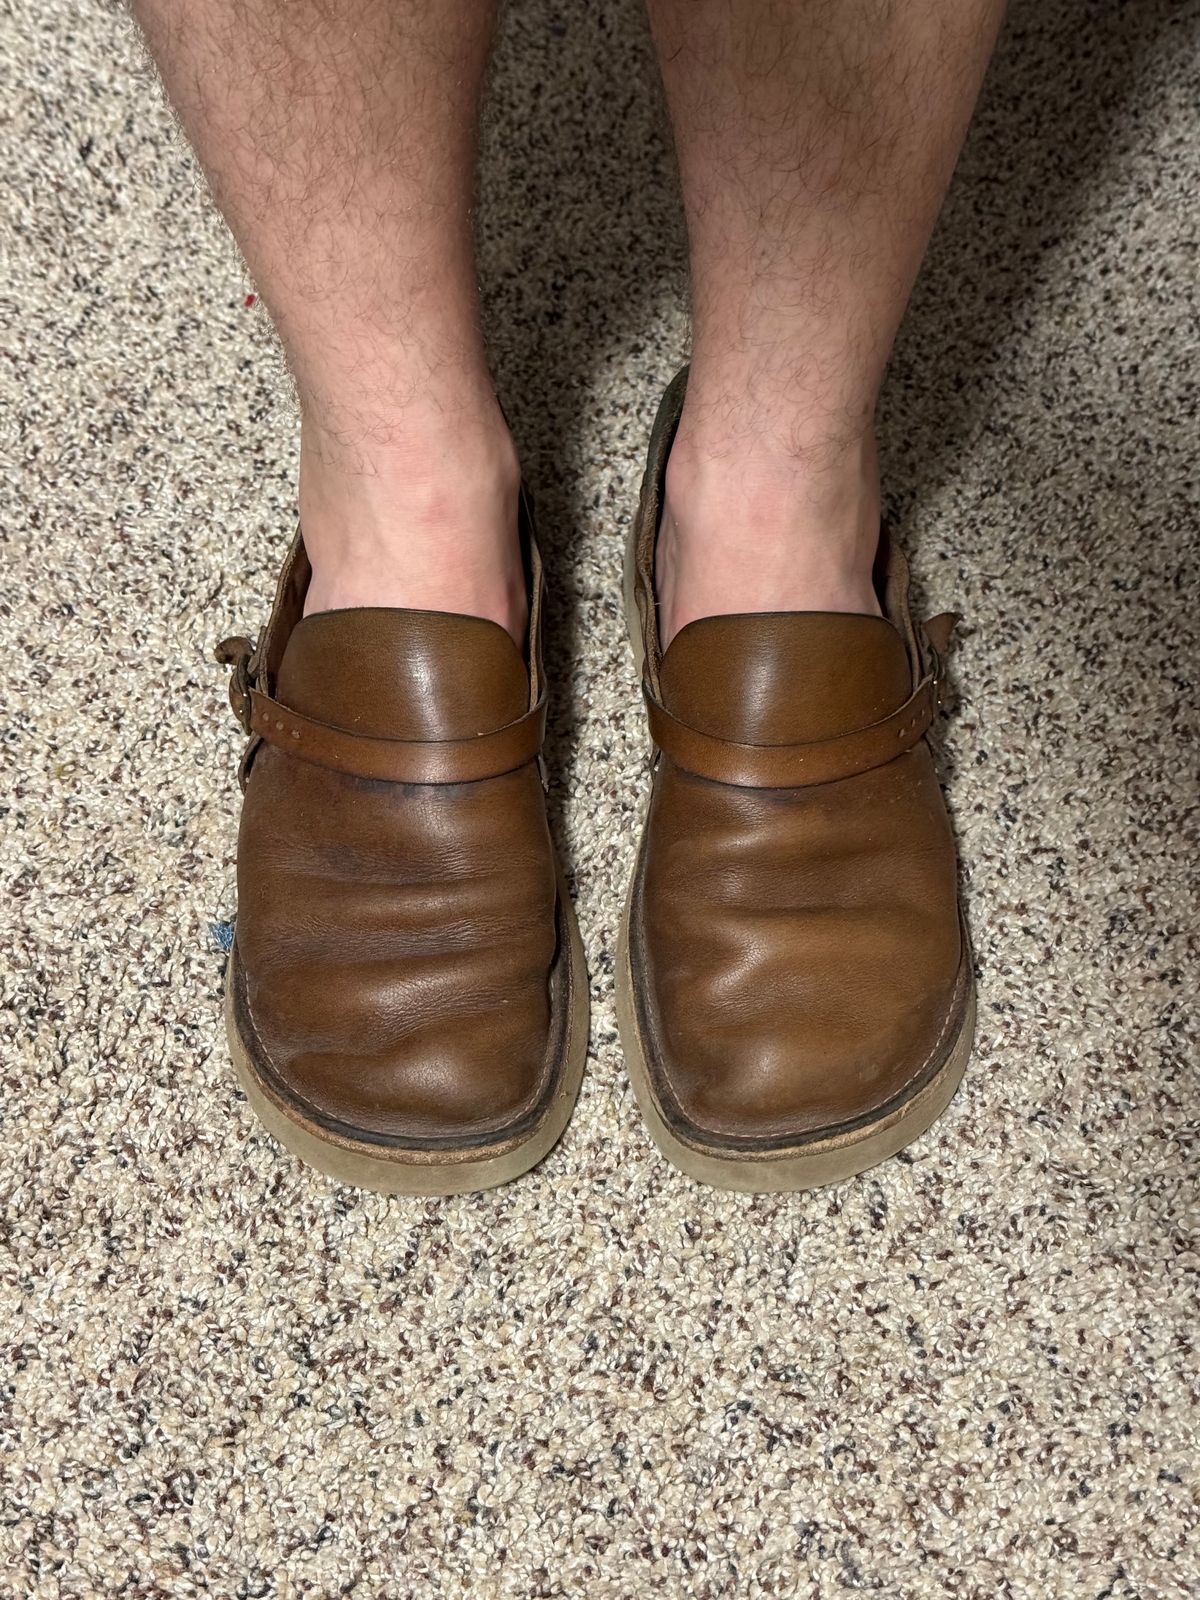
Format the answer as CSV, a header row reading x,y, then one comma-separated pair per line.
x,y
748,526
419,513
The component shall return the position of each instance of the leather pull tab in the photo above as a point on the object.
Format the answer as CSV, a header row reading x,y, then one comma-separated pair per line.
x,y
234,652
939,629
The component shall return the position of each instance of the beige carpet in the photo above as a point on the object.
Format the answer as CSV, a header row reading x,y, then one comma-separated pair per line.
x,y
970,1374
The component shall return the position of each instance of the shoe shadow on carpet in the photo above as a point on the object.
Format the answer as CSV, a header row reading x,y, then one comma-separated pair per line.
x,y
1066,100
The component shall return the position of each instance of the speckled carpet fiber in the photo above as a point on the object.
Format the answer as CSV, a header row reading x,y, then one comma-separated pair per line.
x,y
971,1373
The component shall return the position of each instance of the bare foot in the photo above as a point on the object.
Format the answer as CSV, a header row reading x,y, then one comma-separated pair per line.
x,y
746,527
421,516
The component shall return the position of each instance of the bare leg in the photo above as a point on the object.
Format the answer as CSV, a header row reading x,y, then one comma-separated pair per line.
x,y
815,142
339,140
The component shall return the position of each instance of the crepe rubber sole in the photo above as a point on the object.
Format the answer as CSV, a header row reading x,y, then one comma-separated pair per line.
x,y
414,1171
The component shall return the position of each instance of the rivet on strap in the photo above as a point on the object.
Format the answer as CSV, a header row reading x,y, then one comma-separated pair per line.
x,y
792,766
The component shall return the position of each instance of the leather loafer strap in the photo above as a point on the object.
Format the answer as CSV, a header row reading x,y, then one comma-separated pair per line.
x,y
793,766
488,755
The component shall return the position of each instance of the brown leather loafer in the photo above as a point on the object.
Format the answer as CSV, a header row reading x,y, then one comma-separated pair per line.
x,y
794,986
406,998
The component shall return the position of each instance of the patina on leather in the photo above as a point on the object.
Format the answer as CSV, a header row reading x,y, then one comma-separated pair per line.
x,y
401,968
795,949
